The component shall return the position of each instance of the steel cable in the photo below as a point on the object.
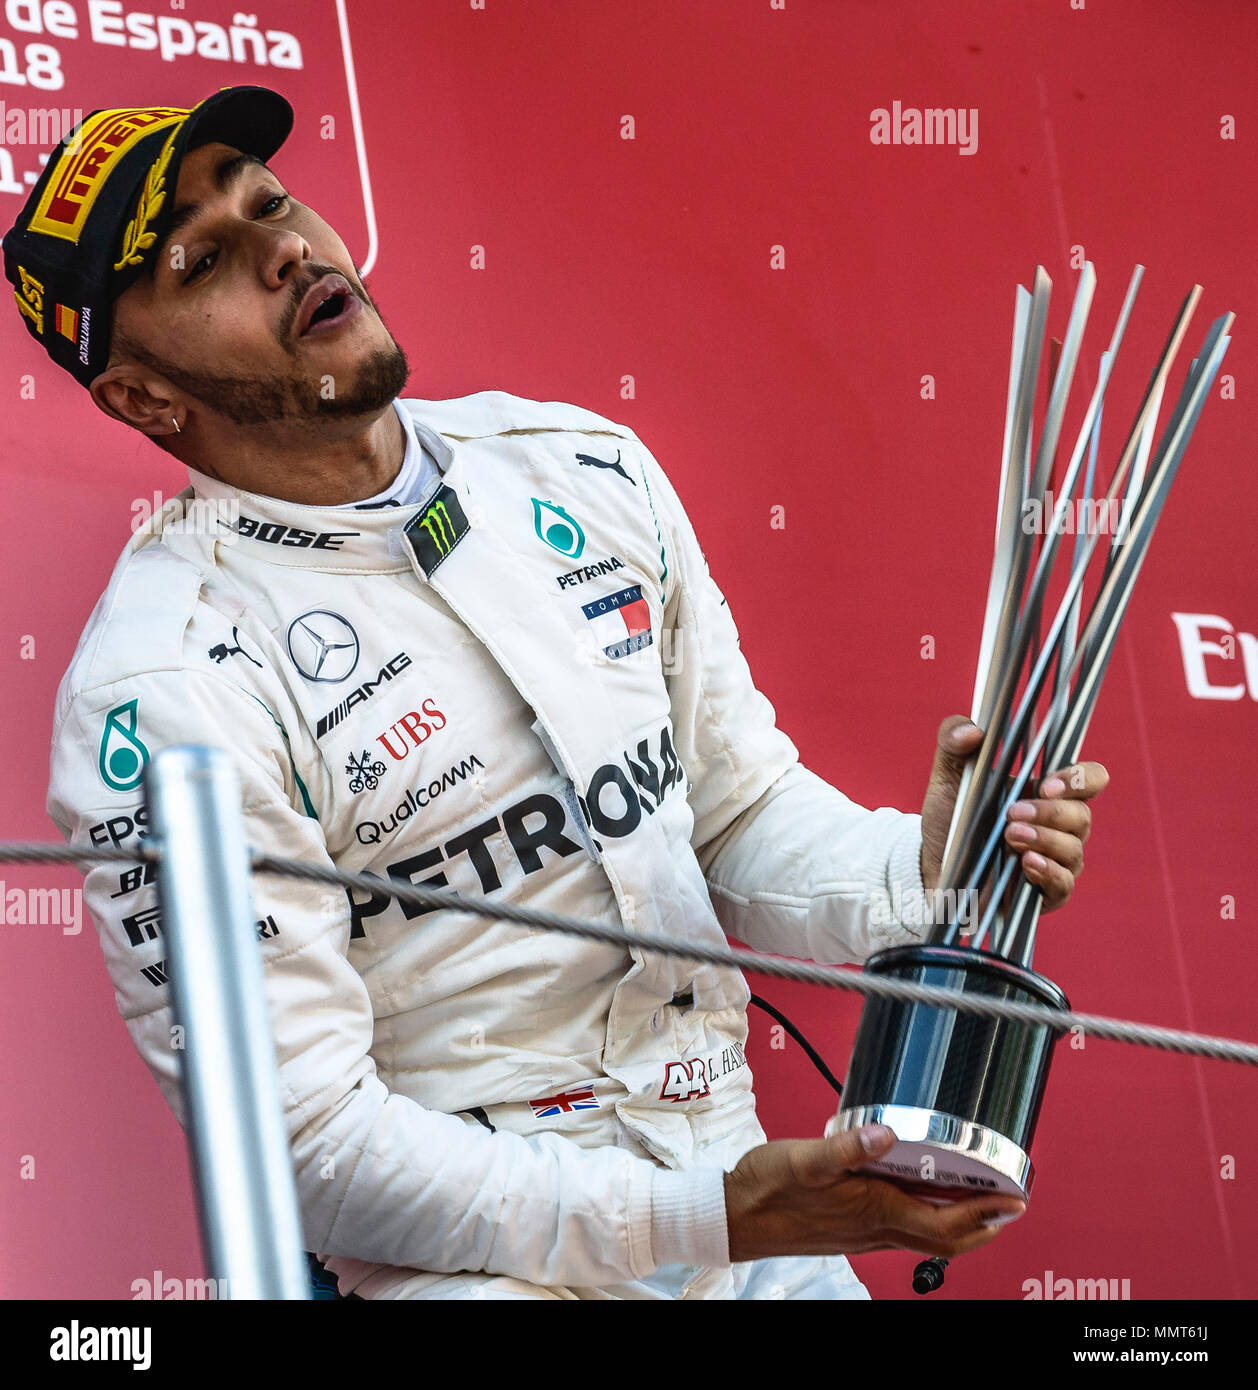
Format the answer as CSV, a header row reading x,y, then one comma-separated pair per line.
x,y
755,962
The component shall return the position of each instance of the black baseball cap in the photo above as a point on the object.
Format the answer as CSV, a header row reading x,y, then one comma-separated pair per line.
x,y
104,205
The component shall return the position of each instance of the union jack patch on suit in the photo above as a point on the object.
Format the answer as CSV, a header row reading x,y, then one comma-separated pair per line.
x,y
579,1098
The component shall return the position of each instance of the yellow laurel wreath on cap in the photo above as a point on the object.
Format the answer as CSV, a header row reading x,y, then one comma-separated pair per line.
x,y
137,238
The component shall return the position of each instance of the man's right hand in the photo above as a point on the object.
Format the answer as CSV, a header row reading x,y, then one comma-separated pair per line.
x,y
803,1197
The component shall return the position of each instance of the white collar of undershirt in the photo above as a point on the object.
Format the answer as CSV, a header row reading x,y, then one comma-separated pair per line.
x,y
412,478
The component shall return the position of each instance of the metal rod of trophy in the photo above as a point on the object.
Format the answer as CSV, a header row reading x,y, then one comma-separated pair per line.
x,y
1008,509
1011,499
1134,488
1057,743
1170,451
246,1199
1035,680
1020,943
964,815
996,772
1059,750
1015,627
1110,604
997,781
1020,543
992,774
1002,898
1019,547
1024,891
1086,494
1030,321
1020,920
1019,923
970,794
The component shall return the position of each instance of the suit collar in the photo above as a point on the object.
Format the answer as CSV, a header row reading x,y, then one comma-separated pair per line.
x,y
297,535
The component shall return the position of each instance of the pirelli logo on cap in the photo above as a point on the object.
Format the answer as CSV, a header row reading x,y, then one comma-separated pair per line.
x,y
87,162
438,528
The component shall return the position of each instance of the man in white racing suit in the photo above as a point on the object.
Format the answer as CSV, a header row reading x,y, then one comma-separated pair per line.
x,y
470,643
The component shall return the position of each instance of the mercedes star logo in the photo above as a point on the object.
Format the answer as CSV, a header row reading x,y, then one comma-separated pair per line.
x,y
323,646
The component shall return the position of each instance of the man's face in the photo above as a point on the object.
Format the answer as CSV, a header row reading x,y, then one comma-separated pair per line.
x,y
228,316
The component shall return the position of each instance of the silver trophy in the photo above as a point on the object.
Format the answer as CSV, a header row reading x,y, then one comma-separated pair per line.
x,y
961,1091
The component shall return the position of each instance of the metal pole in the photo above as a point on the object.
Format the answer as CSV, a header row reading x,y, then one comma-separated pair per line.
x,y
247,1201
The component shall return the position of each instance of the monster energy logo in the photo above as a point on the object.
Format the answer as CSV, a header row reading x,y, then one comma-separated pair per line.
x,y
434,532
122,755
436,521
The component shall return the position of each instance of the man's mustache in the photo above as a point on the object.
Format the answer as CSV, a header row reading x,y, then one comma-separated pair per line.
x,y
316,273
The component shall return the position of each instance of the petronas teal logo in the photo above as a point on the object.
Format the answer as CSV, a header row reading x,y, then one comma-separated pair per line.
x,y
560,531
122,755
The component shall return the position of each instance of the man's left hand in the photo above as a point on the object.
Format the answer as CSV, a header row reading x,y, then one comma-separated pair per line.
x,y
1048,831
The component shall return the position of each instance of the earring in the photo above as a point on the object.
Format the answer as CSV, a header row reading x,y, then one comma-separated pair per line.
x,y
175,422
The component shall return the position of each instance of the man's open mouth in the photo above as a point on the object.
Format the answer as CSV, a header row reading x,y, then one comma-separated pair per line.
x,y
328,304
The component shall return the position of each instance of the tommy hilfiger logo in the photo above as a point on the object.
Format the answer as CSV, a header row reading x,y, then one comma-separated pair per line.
x,y
622,621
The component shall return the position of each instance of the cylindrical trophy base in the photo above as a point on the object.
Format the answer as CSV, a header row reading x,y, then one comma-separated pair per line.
x,y
961,1091
963,1159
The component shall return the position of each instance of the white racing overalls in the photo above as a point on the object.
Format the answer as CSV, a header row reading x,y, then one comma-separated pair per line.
x,y
529,687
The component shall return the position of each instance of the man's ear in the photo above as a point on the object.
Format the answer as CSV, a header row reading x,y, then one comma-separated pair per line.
x,y
136,397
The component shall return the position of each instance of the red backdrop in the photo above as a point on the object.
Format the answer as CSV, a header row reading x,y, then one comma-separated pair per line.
x,y
648,260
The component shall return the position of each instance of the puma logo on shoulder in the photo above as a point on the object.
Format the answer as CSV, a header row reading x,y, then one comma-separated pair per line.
x,y
589,461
